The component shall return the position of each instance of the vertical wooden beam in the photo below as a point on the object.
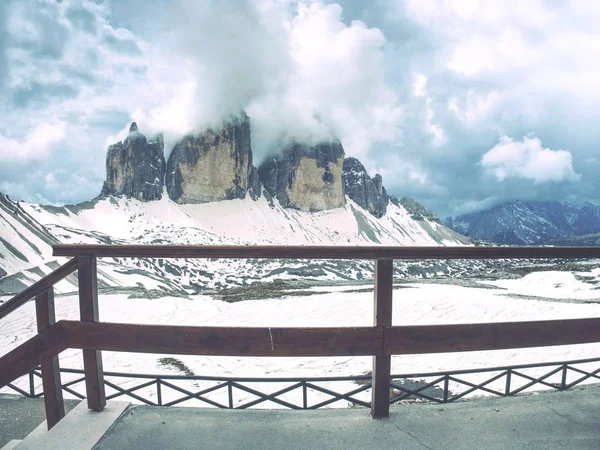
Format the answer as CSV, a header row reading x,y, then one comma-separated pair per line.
x,y
53,396
88,308
384,280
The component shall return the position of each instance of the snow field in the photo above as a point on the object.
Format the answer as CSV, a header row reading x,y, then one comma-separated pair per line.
x,y
414,304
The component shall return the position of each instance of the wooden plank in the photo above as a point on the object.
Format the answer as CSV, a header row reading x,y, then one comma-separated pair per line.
x,y
380,377
38,287
53,396
322,252
405,340
185,340
384,284
31,353
88,309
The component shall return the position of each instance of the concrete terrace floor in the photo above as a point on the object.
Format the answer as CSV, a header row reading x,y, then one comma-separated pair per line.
x,y
557,420
553,420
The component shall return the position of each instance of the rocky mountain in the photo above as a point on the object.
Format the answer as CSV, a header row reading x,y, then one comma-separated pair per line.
x,y
531,223
304,177
367,192
216,165
212,166
136,167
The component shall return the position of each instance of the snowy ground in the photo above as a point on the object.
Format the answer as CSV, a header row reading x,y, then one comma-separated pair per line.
x,y
537,296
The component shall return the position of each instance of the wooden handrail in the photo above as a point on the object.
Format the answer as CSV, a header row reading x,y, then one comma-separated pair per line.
x,y
376,340
38,287
27,356
321,252
264,341
415,339
224,341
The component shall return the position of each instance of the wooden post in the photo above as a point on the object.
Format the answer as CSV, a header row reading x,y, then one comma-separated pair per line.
x,y
380,399
88,308
53,397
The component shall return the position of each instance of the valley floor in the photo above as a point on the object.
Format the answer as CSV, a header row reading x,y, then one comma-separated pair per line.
x,y
537,296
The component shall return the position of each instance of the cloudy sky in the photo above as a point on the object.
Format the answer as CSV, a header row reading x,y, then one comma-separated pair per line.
x,y
459,103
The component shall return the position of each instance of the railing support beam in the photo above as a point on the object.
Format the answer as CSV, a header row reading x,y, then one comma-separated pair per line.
x,y
53,397
88,308
380,392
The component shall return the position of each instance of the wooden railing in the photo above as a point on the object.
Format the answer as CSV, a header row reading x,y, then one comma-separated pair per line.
x,y
381,341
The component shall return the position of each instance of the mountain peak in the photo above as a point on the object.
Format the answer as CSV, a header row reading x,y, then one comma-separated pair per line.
x,y
367,192
133,128
523,222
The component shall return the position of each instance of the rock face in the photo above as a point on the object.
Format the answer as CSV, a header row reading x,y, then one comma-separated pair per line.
x,y
212,166
308,178
367,192
254,186
136,167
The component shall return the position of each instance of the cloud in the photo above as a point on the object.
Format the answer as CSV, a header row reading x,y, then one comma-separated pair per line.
x,y
229,53
334,85
62,78
300,73
3,38
528,159
475,205
38,144
418,90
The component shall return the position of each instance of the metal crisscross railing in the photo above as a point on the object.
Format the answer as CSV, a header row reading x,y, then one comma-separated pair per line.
x,y
439,387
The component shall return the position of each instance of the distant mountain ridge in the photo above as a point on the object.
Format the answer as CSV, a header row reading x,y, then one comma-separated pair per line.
x,y
532,223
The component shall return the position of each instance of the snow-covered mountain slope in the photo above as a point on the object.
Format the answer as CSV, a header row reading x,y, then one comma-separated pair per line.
x,y
525,223
242,222
24,242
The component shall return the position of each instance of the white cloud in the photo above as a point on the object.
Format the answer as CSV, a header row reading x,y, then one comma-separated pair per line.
x,y
419,85
338,77
38,144
530,160
475,205
301,75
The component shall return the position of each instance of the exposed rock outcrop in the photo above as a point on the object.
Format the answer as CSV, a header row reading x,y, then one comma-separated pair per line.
x,y
415,209
367,192
135,167
214,165
254,186
308,178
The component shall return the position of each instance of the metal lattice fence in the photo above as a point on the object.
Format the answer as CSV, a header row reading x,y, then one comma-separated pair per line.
x,y
320,392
